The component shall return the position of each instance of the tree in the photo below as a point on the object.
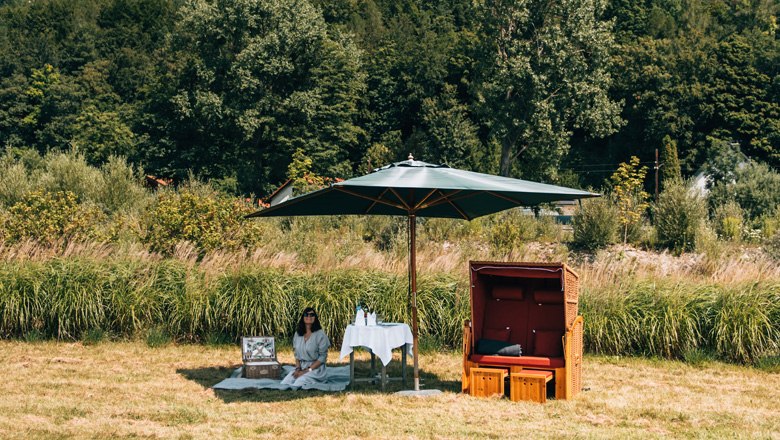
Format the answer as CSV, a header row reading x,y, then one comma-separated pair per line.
x,y
452,136
253,82
670,170
544,75
740,102
627,183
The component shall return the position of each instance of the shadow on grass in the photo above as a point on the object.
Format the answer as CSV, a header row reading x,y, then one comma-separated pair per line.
x,y
210,376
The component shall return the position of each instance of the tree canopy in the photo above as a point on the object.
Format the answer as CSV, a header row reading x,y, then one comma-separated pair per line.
x,y
558,91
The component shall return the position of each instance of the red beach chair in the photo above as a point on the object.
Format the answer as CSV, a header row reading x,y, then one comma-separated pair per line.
x,y
533,305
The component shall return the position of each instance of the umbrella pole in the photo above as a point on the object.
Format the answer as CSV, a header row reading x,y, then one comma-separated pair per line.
x,y
413,280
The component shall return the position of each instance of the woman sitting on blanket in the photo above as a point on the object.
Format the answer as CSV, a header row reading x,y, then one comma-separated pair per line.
x,y
311,350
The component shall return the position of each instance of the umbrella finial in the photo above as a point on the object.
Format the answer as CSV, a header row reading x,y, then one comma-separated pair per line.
x,y
410,157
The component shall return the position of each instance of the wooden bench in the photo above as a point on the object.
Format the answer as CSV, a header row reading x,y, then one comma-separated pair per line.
x,y
529,385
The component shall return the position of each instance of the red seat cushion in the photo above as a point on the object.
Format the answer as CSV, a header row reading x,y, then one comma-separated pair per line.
x,y
523,361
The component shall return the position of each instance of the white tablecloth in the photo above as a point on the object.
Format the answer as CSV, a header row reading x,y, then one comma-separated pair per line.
x,y
381,339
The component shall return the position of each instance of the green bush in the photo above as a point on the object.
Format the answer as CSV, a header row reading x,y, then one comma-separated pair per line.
x,y
596,224
14,183
769,224
677,216
744,327
48,217
753,187
70,172
510,229
200,215
93,336
122,189
772,246
728,221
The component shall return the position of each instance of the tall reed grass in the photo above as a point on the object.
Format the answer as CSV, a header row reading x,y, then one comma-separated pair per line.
x,y
673,319
67,297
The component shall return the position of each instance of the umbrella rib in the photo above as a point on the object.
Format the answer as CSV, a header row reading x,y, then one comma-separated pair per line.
x,y
462,214
509,199
449,198
417,206
401,199
443,198
369,198
376,201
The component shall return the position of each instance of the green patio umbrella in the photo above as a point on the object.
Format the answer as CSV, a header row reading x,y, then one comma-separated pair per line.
x,y
417,189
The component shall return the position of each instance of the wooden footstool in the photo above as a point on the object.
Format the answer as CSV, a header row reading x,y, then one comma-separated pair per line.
x,y
529,385
486,382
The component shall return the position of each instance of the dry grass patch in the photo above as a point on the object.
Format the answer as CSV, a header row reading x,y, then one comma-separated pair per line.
x,y
122,390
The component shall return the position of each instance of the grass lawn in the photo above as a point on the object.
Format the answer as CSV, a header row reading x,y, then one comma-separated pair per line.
x,y
128,390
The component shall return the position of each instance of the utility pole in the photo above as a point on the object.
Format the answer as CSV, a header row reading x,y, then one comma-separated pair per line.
x,y
656,167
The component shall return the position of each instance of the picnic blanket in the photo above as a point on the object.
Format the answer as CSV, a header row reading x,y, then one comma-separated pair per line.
x,y
337,379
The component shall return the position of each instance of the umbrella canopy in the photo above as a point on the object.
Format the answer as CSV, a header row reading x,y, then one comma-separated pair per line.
x,y
412,188
417,188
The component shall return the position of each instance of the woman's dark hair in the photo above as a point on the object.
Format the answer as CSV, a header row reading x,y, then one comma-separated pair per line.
x,y
301,330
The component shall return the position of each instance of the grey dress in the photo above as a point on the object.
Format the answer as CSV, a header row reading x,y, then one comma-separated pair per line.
x,y
315,349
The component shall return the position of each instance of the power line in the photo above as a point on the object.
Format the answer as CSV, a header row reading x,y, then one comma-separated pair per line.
x,y
610,164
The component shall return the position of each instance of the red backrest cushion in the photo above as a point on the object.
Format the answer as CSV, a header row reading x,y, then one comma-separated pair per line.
x,y
514,293
548,297
548,343
507,313
497,334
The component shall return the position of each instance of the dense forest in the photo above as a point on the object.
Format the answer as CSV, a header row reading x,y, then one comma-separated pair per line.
x,y
230,90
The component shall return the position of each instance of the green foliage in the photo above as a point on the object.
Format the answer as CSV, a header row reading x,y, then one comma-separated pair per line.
x,y
453,136
728,221
231,90
772,246
753,188
122,190
164,302
252,82
544,73
92,336
51,216
102,134
677,216
596,224
510,230
743,328
71,172
670,168
201,216
14,182
693,71
631,199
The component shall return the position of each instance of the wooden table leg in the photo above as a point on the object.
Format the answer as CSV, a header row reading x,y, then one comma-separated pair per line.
x,y
404,348
352,369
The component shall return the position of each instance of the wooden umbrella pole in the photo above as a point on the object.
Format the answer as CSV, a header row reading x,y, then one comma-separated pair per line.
x,y
413,278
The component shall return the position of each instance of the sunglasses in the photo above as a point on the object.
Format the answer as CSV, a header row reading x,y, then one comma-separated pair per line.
x,y
311,314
